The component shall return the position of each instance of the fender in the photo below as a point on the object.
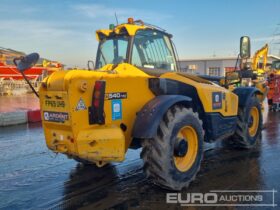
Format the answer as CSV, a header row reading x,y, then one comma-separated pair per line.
x,y
149,117
244,94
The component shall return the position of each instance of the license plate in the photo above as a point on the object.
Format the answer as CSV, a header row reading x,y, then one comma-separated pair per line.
x,y
55,107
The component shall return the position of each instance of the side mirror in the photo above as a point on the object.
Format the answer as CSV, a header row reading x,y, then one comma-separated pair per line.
x,y
245,47
26,62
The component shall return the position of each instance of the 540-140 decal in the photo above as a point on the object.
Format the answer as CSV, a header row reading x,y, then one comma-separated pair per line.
x,y
116,95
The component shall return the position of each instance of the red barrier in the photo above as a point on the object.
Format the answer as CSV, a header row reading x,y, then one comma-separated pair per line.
x,y
34,116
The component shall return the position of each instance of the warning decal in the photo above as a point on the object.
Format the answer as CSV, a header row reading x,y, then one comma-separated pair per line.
x,y
81,105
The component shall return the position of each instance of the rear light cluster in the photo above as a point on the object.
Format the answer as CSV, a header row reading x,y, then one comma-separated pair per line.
x,y
96,110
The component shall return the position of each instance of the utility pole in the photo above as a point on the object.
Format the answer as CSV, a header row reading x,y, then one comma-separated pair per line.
x,y
276,37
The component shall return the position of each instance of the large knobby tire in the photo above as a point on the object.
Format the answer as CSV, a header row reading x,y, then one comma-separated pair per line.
x,y
87,162
172,159
249,125
84,162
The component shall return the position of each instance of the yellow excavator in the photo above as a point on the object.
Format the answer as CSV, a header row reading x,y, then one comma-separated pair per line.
x,y
259,61
258,66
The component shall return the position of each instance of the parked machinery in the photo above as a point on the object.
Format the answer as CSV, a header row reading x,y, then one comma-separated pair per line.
x,y
274,87
254,74
259,61
137,97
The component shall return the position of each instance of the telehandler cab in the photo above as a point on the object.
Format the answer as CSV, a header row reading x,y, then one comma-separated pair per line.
x,y
138,97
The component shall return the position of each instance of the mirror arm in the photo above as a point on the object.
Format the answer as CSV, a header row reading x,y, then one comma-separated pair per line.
x,y
238,57
30,85
17,59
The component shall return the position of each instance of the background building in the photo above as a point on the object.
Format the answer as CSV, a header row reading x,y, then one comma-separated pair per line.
x,y
215,66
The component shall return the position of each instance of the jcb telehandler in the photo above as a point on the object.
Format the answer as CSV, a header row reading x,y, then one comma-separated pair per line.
x,y
138,97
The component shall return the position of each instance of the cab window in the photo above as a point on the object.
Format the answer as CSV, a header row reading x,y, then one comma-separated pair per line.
x,y
112,51
152,49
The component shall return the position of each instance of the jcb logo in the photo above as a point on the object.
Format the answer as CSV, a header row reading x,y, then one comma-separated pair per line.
x,y
55,104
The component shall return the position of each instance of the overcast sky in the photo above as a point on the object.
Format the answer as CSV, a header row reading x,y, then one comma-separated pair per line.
x,y
64,30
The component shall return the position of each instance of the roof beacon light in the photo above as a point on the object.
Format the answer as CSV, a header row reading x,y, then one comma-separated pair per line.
x,y
130,20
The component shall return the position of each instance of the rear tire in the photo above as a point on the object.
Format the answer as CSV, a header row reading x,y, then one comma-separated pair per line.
x,y
84,162
249,125
88,163
172,159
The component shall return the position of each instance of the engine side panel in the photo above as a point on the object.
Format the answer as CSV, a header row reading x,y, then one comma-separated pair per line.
x,y
214,98
217,106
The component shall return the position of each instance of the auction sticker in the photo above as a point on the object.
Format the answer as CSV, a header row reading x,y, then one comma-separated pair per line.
x,y
56,116
116,109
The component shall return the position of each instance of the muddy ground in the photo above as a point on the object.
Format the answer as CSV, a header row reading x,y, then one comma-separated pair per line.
x,y
31,177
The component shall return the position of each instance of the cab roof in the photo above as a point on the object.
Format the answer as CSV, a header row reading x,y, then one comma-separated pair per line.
x,y
129,28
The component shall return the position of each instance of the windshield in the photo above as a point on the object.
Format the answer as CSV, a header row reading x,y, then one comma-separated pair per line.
x,y
112,51
153,49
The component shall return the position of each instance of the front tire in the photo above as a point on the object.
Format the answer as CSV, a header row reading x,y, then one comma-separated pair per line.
x,y
249,125
172,159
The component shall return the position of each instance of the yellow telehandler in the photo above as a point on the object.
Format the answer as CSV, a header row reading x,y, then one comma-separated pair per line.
x,y
136,97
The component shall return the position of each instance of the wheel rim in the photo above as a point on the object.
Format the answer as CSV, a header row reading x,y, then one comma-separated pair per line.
x,y
254,121
185,162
